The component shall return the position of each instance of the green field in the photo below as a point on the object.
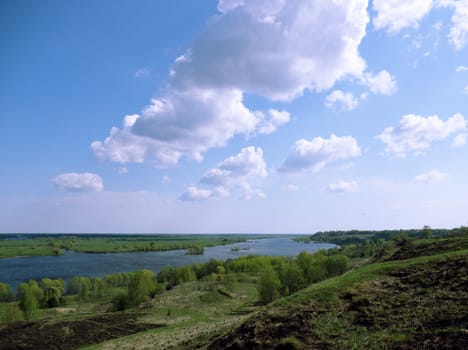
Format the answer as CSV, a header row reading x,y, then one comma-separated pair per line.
x,y
35,245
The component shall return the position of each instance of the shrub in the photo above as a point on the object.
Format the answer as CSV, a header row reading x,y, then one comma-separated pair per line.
x,y
121,302
6,293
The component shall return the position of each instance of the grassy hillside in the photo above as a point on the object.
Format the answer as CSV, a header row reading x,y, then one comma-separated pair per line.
x,y
416,298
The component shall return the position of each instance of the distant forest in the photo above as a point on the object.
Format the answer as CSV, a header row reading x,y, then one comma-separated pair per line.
x,y
358,236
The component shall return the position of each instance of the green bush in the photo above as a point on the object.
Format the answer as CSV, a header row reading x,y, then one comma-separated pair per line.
x,y
6,293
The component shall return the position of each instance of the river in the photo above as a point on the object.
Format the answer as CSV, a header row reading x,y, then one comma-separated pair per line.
x,y
20,269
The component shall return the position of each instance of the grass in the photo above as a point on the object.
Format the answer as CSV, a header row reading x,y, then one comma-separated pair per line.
x,y
392,304
328,290
189,315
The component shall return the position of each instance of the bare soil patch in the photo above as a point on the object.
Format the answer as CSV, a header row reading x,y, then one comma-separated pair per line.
x,y
71,334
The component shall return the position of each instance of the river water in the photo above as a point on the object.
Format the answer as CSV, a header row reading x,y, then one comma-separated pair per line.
x,y
16,270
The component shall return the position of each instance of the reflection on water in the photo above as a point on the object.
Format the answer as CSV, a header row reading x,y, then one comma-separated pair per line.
x,y
16,270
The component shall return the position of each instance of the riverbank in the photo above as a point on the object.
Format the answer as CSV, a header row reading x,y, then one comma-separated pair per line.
x,y
16,270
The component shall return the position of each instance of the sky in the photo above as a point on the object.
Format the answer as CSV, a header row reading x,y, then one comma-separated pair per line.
x,y
232,116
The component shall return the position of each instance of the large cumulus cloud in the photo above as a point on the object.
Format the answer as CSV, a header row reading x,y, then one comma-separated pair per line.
x,y
275,49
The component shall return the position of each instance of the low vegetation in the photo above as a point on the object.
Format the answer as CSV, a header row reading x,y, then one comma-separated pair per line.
x,y
401,293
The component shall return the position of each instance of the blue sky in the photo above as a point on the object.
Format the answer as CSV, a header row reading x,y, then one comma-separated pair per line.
x,y
233,115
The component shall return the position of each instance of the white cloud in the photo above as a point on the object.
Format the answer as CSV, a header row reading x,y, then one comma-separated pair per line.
x,y
122,170
233,172
465,90
382,83
343,186
461,69
415,134
459,140
271,48
432,176
394,15
346,99
165,179
290,188
76,182
142,73
182,124
275,120
251,193
276,49
458,35
194,193
318,152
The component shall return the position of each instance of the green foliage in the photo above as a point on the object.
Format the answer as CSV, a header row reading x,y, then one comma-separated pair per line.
x,y
30,296
292,278
142,283
427,231
269,286
6,293
121,302
313,266
52,291
337,265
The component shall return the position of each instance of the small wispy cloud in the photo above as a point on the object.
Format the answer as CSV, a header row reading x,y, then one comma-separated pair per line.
x,y
122,170
142,73
433,176
289,188
342,187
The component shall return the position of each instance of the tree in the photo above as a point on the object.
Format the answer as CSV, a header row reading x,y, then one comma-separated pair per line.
x,y
337,264
313,266
292,278
98,287
427,231
269,286
30,295
53,291
141,284
85,289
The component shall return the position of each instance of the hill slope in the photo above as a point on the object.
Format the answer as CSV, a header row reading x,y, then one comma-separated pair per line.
x,y
419,302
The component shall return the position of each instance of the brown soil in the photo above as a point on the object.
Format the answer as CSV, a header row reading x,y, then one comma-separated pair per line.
x,y
71,334
419,307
